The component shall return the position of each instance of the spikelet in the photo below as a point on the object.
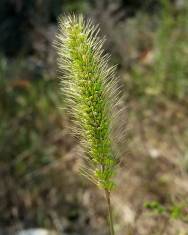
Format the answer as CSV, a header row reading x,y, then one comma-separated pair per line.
x,y
91,95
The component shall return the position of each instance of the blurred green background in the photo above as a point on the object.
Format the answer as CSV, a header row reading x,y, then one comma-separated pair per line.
x,y
40,185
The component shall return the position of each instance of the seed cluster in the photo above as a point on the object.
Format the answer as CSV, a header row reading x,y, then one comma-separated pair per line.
x,y
88,87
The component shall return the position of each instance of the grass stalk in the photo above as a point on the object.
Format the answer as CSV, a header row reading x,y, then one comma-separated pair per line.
x,y
110,216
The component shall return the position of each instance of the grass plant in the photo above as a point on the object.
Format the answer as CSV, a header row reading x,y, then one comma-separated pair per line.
x,y
90,90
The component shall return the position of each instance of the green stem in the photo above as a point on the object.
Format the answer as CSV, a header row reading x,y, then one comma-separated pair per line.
x,y
110,218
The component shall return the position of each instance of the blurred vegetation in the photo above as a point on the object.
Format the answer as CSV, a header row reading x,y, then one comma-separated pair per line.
x,y
32,126
166,74
25,108
20,19
26,125
175,211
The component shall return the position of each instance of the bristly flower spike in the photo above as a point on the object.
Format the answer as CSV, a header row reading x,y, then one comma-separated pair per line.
x,y
90,90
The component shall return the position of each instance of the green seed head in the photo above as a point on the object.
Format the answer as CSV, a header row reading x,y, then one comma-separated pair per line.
x,y
89,86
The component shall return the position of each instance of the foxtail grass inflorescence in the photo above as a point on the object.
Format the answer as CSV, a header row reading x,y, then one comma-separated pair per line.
x,y
90,90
